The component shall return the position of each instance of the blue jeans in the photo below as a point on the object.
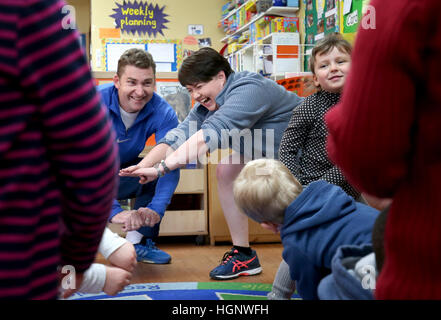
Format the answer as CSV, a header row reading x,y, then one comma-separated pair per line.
x,y
130,187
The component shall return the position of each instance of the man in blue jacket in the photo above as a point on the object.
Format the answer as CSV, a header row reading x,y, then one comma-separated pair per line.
x,y
138,112
314,222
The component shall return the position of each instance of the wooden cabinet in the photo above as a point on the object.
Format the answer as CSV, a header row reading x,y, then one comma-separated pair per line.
x,y
218,226
187,212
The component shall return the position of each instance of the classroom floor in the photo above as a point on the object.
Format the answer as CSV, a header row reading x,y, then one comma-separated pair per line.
x,y
192,263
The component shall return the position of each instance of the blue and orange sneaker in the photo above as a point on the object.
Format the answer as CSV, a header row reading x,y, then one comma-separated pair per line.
x,y
235,264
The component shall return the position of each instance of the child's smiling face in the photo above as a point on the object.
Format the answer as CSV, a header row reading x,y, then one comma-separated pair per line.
x,y
330,70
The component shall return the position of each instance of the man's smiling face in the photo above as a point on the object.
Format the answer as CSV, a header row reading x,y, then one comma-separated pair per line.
x,y
135,87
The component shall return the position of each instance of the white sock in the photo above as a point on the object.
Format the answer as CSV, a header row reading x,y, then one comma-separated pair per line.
x,y
134,237
94,279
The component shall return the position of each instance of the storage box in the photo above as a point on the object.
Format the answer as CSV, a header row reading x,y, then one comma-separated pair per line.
x,y
279,3
285,24
263,25
292,3
291,24
303,85
277,25
263,5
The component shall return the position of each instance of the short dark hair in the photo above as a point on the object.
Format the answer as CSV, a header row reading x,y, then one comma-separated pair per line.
x,y
135,57
329,42
202,66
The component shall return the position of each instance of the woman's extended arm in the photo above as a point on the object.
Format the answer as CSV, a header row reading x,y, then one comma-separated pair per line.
x,y
189,151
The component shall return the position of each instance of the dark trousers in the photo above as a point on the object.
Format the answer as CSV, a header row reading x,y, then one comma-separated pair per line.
x,y
129,188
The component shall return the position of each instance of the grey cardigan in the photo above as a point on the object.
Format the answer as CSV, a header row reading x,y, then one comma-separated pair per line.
x,y
252,116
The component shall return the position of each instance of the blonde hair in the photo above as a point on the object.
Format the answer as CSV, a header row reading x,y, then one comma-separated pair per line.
x,y
264,189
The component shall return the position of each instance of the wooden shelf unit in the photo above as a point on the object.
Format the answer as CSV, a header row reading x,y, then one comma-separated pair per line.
x,y
189,221
193,183
183,220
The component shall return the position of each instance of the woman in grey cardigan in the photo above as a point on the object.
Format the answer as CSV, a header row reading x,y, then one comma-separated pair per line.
x,y
241,111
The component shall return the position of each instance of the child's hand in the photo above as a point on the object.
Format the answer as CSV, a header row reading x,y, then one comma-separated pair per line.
x,y
116,280
377,203
128,172
67,292
271,226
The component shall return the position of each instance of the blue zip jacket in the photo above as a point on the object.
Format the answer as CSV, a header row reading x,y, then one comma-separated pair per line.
x,y
157,117
321,219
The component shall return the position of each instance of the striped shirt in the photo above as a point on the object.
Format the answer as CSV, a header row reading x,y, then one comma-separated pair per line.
x,y
58,159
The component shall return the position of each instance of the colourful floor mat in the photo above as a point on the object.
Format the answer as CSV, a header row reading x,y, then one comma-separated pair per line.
x,y
186,291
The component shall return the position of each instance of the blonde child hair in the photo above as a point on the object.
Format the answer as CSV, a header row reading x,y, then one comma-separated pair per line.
x,y
264,189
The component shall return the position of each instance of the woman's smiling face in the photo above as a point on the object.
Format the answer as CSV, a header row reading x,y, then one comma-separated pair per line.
x,y
206,92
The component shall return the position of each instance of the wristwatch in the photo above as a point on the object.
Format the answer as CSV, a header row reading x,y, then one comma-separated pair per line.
x,y
166,169
160,174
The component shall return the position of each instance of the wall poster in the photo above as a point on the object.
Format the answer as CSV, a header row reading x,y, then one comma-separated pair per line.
x,y
167,54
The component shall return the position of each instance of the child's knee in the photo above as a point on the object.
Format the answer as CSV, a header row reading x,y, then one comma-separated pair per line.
x,y
130,253
124,257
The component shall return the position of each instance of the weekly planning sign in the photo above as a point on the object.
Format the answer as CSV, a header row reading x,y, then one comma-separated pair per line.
x,y
140,17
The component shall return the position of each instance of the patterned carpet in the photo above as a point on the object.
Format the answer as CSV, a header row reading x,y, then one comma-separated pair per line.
x,y
186,291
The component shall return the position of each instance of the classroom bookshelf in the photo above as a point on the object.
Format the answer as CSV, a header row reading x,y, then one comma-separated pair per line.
x,y
262,38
